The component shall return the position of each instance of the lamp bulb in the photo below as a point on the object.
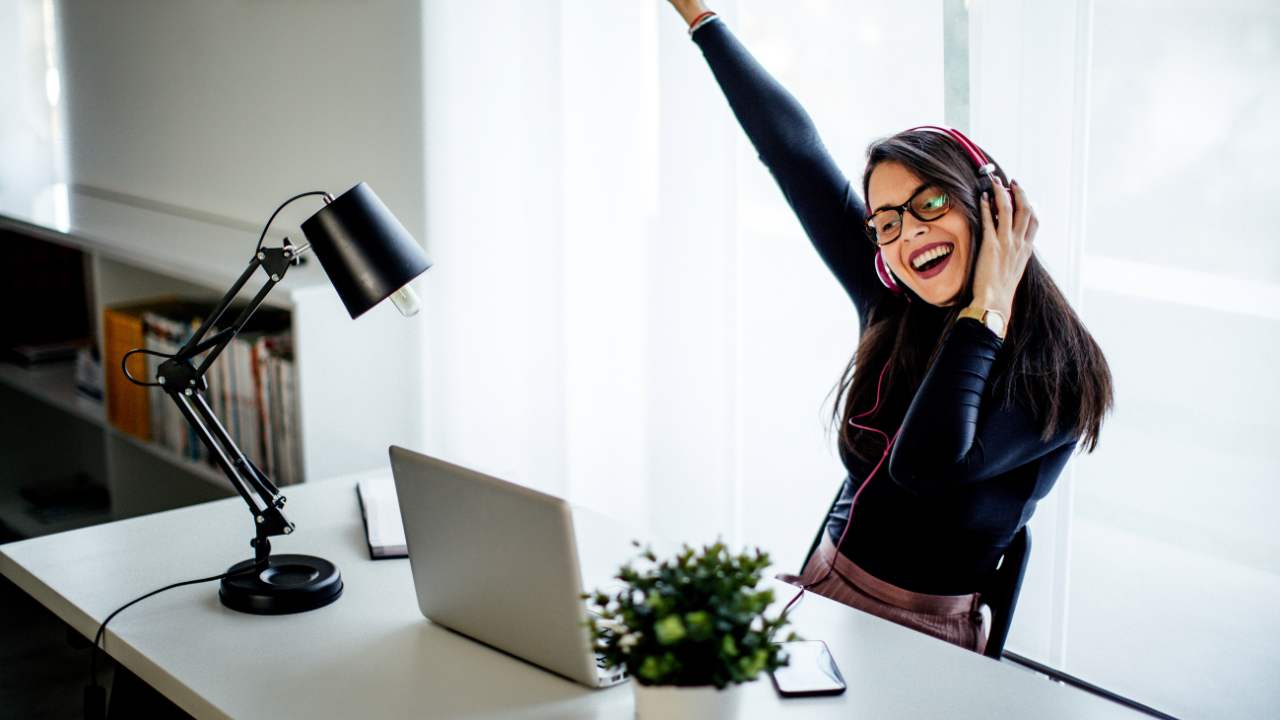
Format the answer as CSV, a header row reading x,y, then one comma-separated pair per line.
x,y
406,301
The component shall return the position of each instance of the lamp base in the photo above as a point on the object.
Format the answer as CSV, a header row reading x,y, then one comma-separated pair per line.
x,y
288,584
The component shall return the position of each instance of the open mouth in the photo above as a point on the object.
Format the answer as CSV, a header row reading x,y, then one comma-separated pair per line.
x,y
934,266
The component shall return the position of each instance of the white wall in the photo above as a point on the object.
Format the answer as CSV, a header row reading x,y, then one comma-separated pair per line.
x,y
231,107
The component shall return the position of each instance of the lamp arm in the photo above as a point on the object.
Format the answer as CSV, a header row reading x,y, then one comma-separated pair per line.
x,y
188,349
230,333
268,506
196,345
260,494
184,383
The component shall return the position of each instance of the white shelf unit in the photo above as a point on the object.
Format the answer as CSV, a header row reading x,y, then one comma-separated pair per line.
x,y
353,380
55,385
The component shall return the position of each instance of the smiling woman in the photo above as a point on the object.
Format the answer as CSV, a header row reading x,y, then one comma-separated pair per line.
x,y
985,417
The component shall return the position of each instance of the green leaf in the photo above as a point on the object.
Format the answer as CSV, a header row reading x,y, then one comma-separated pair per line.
x,y
698,624
669,630
656,602
728,646
650,670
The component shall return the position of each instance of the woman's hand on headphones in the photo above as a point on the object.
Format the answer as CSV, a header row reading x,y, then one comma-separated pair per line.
x,y
1006,248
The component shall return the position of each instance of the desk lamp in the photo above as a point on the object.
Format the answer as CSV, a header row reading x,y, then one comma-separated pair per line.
x,y
368,256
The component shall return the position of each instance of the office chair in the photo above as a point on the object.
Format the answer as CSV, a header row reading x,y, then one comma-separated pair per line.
x,y
1001,593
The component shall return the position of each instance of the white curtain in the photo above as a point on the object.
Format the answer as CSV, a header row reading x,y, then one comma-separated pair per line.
x,y
624,311
33,174
1146,134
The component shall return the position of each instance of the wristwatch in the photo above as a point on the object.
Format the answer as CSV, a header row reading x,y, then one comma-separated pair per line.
x,y
993,319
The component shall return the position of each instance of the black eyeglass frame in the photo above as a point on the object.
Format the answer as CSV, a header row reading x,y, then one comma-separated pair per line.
x,y
871,230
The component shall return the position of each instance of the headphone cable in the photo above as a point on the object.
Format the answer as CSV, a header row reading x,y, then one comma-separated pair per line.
x,y
849,521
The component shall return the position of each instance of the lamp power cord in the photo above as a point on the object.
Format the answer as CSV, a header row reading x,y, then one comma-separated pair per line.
x,y
95,696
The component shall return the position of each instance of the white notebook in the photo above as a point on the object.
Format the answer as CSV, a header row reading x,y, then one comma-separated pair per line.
x,y
380,509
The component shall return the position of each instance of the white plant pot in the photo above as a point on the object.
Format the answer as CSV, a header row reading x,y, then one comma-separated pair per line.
x,y
698,702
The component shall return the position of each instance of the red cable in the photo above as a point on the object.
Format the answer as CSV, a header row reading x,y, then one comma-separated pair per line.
x,y
854,502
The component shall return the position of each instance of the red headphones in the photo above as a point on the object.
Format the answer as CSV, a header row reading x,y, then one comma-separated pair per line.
x,y
986,169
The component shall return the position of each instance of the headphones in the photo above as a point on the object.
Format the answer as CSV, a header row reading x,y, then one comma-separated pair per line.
x,y
986,169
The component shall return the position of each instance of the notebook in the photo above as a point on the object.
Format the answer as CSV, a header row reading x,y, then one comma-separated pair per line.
x,y
380,510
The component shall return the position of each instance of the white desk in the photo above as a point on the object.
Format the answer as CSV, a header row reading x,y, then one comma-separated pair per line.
x,y
372,655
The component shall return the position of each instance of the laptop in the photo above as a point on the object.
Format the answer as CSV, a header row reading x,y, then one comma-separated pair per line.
x,y
497,562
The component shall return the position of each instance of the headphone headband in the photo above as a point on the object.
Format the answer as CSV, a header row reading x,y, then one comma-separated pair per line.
x,y
975,153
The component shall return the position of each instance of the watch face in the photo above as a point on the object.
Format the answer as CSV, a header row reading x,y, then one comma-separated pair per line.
x,y
995,321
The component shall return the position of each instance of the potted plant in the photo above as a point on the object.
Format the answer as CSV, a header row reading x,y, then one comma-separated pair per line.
x,y
690,630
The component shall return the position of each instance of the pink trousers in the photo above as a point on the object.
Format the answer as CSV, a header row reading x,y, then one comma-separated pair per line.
x,y
958,619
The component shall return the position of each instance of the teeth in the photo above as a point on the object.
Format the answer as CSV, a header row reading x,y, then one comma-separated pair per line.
x,y
934,253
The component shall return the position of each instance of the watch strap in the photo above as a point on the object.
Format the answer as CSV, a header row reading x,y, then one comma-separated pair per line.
x,y
980,314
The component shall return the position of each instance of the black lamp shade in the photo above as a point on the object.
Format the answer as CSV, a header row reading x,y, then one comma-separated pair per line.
x,y
363,248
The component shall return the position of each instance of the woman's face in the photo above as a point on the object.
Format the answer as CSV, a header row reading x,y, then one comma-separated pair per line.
x,y
891,184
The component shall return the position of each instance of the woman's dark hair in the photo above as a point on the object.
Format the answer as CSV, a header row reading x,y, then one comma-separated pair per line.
x,y
1049,360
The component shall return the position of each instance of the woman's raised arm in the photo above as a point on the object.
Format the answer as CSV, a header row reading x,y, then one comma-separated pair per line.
x,y
787,141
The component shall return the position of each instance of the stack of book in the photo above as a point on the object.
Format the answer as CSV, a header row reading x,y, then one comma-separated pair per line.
x,y
250,384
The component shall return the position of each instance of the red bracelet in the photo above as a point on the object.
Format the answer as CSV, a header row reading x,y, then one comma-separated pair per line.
x,y
700,18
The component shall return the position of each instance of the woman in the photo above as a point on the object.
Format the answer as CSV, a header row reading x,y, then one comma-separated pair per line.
x,y
954,424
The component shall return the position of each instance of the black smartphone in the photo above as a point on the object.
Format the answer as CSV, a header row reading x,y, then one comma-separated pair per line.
x,y
811,672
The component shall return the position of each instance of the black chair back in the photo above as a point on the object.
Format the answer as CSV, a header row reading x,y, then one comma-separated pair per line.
x,y
1001,594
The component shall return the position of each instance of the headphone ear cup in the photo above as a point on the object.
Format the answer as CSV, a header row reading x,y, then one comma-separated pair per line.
x,y
886,277
984,185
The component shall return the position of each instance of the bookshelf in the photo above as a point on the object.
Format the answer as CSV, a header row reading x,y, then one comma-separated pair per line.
x,y
354,380
54,385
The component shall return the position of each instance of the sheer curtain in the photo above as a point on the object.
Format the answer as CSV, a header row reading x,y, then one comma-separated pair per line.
x,y
1151,127
33,176
624,311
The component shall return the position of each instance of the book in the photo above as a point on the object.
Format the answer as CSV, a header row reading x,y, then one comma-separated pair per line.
x,y
165,334
250,385
285,407
128,407
131,408
263,399
380,511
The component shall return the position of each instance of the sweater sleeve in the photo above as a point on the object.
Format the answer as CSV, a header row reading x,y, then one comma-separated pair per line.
x,y
787,142
948,437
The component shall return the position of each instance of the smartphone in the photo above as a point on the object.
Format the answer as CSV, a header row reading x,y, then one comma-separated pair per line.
x,y
811,672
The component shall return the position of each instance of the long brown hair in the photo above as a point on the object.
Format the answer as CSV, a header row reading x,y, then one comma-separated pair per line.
x,y
1048,358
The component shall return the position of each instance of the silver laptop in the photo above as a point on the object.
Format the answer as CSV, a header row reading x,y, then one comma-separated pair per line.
x,y
497,562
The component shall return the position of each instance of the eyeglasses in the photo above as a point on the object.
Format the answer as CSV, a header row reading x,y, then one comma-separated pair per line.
x,y
928,203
